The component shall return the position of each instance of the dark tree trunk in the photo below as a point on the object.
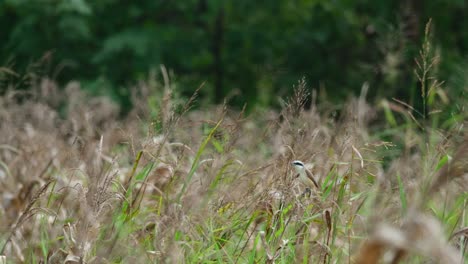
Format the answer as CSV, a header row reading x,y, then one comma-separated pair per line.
x,y
217,54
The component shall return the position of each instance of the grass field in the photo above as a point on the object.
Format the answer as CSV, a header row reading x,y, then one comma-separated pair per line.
x,y
173,183
168,184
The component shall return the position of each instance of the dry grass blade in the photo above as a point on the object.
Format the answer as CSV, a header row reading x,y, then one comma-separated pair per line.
x,y
26,213
328,221
8,71
270,257
359,155
461,232
410,112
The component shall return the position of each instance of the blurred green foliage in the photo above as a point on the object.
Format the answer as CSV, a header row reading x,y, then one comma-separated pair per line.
x,y
249,51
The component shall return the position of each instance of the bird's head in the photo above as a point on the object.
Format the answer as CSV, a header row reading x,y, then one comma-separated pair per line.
x,y
298,165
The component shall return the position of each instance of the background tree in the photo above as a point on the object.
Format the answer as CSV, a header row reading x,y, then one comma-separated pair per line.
x,y
250,52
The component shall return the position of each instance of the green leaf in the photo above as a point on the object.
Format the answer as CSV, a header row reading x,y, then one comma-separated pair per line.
x,y
402,193
217,145
443,161
388,114
196,161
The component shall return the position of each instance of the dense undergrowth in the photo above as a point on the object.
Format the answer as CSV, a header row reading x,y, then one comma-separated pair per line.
x,y
171,184
174,185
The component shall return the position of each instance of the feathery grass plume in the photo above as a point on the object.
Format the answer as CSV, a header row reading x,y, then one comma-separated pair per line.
x,y
214,185
426,63
27,213
418,235
296,103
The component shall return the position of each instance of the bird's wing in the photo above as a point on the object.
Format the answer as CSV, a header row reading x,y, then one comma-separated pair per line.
x,y
311,177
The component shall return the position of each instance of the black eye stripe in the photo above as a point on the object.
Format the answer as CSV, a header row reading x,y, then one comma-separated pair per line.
x,y
298,163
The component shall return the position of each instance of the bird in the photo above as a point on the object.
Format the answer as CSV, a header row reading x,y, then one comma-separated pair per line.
x,y
305,175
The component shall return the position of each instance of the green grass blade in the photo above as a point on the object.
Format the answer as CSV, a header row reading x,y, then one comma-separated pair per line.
x,y
401,189
196,161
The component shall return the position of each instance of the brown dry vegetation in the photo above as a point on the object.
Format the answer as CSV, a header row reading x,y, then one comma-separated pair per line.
x,y
170,185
